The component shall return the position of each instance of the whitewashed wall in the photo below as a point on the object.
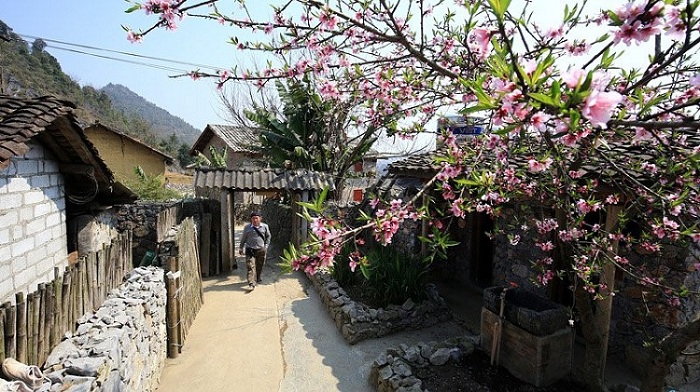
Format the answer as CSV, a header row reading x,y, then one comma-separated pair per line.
x,y
32,222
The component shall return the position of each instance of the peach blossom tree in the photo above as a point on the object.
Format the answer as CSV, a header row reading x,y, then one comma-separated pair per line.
x,y
591,147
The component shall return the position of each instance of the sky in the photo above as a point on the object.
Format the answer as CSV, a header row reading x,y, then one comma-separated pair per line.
x,y
98,24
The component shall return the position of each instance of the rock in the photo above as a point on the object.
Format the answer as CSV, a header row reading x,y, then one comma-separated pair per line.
x,y
440,356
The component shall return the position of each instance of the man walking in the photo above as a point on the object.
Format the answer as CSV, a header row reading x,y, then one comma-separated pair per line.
x,y
255,240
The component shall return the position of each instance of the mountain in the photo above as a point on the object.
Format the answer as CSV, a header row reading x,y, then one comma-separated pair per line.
x,y
162,122
26,69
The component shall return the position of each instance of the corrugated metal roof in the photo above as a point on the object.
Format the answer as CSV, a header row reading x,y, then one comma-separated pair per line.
x,y
262,179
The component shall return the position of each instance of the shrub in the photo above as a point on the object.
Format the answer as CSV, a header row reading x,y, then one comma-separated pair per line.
x,y
392,277
151,187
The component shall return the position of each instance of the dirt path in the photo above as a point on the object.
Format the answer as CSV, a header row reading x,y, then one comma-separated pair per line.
x,y
278,337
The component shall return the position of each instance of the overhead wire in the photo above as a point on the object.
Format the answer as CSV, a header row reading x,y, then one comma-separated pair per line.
x,y
95,48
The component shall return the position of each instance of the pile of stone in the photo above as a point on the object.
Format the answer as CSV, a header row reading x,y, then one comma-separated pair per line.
x,y
394,370
357,321
119,347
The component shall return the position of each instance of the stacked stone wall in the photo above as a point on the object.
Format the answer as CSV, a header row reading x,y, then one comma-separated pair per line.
x,y
119,347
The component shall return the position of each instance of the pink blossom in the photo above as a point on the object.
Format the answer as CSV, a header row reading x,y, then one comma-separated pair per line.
x,y
536,166
599,107
133,37
695,80
539,121
529,66
574,77
545,246
456,208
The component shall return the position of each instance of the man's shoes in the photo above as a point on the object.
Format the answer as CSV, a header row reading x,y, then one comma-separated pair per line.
x,y
251,286
259,280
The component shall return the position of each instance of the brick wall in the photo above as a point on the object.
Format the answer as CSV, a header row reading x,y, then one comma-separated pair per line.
x,y
32,222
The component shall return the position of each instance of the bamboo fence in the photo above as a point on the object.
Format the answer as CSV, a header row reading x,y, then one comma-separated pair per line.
x,y
32,326
184,286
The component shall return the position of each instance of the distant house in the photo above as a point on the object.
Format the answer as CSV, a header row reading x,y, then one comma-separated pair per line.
x,y
360,176
236,141
53,186
123,153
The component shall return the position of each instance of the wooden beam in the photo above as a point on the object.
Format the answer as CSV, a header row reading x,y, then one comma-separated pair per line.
x,y
76,168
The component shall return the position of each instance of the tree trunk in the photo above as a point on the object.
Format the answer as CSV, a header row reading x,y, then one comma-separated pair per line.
x,y
663,355
592,369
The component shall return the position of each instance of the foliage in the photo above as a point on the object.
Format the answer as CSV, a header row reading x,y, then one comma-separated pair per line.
x,y
341,270
217,160
151,187
394,277
311,132
582,147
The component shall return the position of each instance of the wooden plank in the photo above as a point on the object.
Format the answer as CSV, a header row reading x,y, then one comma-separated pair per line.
x,y
205,247
65,300
538,360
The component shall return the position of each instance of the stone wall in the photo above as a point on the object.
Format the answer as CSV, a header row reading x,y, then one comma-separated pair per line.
x,y
119,347
396,369
32,222
148,222
357,321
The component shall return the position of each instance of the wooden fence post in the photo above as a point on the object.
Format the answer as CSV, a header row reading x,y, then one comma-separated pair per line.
x,y
57,321
21,327
173,309
10,334
2,334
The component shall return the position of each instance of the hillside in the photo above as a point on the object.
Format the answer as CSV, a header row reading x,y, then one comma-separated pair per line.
x,y
26,69
162,122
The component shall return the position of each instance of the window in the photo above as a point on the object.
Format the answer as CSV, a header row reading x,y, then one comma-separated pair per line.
x,y
357,195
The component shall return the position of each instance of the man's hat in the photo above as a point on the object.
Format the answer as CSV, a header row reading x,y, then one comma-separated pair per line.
x,y
254,213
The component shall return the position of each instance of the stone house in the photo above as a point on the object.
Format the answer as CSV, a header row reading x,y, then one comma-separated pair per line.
x,y
123,153
480,261
55,191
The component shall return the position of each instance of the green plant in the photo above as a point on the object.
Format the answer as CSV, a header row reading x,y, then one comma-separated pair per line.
x,y
392,277
341,271
217,160
151,187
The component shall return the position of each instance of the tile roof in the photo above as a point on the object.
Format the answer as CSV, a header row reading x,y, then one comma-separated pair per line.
x,y
50,122
424,165
22,119
262,179
419,165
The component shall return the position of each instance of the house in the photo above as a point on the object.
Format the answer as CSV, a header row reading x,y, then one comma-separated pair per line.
x,y
54,188
123,153
481,260
235,141
360,177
